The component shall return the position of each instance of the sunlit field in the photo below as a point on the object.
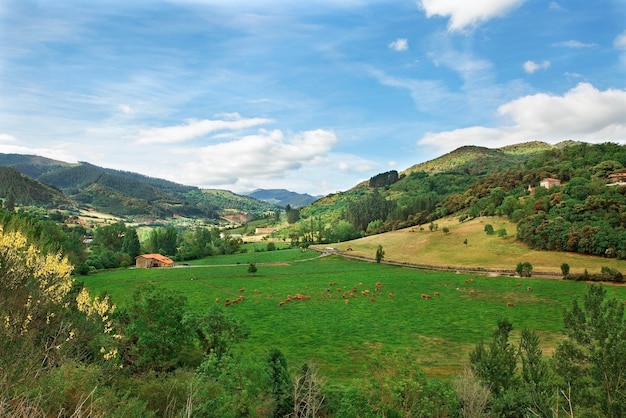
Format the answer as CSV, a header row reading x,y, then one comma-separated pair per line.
x,y
340,312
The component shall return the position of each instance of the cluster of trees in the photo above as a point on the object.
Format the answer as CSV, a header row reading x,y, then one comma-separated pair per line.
x,y
583,377
384,179
117,245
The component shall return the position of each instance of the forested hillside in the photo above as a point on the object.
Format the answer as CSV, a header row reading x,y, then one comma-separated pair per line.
x,y
17,188
124,193
584,214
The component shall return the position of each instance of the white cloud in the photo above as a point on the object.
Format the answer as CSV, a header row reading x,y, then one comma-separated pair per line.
x,y
583,113
555,6
620,41
465,14
399,45
268,154
126,109
574,44
7,138
425,93
531,66
193,129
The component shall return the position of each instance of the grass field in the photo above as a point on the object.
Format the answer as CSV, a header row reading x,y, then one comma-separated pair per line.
x,y
340,337
421,246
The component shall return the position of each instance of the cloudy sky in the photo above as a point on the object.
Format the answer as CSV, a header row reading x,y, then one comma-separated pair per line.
x,y
311,96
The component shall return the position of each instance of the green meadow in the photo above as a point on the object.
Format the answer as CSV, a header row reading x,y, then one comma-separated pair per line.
x,y
384,312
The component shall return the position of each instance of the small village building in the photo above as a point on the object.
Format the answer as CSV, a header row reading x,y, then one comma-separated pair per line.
x,y
264,230
147,261
549,182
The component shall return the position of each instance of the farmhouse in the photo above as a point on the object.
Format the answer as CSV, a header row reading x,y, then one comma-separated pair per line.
x,y
147,261
549,182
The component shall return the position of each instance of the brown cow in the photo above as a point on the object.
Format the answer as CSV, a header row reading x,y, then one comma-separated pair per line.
x,y
510,304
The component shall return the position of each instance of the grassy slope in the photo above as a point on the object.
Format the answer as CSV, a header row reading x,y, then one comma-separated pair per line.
x,y
411,245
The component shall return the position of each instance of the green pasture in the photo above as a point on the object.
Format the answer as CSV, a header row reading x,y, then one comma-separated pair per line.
x,y
341,337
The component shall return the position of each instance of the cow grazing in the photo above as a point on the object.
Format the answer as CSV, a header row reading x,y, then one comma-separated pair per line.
x,y
510,304
426,296
472,292
437,294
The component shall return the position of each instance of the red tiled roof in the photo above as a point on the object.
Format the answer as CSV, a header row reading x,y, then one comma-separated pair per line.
x,y
158,257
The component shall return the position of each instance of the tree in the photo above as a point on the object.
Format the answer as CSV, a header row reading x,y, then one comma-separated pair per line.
x,y
380,254
472,393
595,349
154,332
292,214
281,382
131,245
524,269
489,229
565,270
495,365
216,331
307,392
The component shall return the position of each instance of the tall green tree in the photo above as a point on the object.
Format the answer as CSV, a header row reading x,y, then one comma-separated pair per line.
x,y
282,384
592,361
131,245
495,364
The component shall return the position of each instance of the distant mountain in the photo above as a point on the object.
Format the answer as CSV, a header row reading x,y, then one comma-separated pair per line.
x,y
125,193
282,197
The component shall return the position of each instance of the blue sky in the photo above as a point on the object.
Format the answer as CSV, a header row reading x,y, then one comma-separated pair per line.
x,y
310,96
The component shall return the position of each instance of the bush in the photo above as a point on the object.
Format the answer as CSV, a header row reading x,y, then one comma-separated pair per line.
x,y
524,269
489,229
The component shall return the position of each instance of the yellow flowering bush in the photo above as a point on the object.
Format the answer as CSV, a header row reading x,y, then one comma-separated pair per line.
x,y
32,284
35,303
